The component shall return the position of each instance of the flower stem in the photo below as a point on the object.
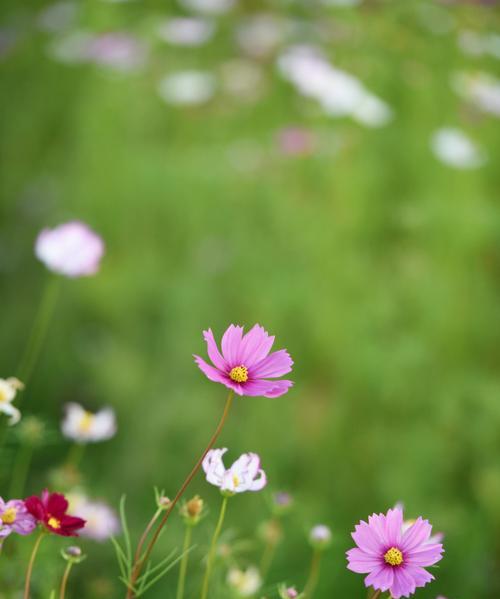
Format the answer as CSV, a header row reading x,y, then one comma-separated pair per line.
x,y
312,581
39,330
269,552
140,561
376,594
145,534
184,562
29,571
75,455
213,548
64,581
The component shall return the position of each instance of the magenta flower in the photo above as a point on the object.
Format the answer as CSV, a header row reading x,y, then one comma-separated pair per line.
x,y
245,363
393,558
14,517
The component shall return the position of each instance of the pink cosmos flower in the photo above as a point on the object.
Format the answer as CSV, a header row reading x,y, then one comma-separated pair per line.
x,y
393,559
14,517
244,475
245,363
71,249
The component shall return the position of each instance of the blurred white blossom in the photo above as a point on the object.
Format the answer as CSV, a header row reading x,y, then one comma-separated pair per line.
x,y
187,87
208,6
8,390
86,427
186,31
479,88
454,148
244,583
101,520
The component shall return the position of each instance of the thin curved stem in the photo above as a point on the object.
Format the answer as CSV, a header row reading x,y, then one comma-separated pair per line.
x,y
184,562
145,534
376,595
138,564
39,330
64,581
312,581
213,549
29,571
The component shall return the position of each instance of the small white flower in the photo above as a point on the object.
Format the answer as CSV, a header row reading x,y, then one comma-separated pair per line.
x,y
454,148
101,520
186,31
244,475
479,88
8,389
432,540
320,536
85,427
188,88
71,249
215,7
244,582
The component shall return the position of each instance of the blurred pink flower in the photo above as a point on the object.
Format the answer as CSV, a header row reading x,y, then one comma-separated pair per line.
x,y
394,560
14,517
71,249
117,50
296,141
245,363
244,475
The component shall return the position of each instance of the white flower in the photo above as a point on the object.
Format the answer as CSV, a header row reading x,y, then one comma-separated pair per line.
x,y
339,93
432,540
187,88
260,35
86,427
208,6
101,520
320,536
8,389
454,148
244,475
186,31
71,249
481,89
244,582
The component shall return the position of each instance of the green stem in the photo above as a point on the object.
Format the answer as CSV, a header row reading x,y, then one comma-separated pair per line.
x,y
39,330
213,548
184,562
376,594
312,581
64,581
29,571
75,454
20,470
269,553
138,563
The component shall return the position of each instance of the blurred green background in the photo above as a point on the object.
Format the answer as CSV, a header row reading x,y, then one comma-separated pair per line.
x,y
373,263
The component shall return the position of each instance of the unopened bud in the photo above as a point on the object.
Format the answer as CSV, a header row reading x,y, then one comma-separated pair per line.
x,y
164,502
320,537
288,592
73,554
192,510
282,503
271,532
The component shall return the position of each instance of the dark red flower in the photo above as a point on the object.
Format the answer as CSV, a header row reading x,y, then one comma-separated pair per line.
x,y
50,510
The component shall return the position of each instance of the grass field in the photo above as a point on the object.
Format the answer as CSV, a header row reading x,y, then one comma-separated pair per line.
x,y
374,263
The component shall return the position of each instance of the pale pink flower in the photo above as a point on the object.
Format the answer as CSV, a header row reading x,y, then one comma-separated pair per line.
x,y
71,249
244,475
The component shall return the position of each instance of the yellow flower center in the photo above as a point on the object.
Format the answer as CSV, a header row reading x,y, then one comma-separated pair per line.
x,y
3,395
9,516
236,480
239,374
86,422
393,557
54,522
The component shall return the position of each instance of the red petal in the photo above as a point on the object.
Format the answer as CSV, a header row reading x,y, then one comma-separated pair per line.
x,y
57,505
35,507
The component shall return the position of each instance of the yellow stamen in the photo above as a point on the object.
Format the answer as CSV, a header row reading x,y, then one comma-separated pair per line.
x,y
86,422
3,396
54,522
236,480
393,557
239,374
9,516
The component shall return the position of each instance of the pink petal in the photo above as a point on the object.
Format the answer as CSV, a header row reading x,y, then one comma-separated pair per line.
x,y
231,341
394,526
367,539
403,585
213,351
416,535
426,555
277,364
377,523
381,578
266,388
255,346
259,482
362,562
210,372
420,576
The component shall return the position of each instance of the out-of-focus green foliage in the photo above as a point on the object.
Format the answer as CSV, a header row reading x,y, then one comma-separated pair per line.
x,y
376,265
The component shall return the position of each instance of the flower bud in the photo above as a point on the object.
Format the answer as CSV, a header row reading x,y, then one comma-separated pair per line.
x,y
192,510
320,537
73,554
288,592
164,502
271,532
32,431
282,503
